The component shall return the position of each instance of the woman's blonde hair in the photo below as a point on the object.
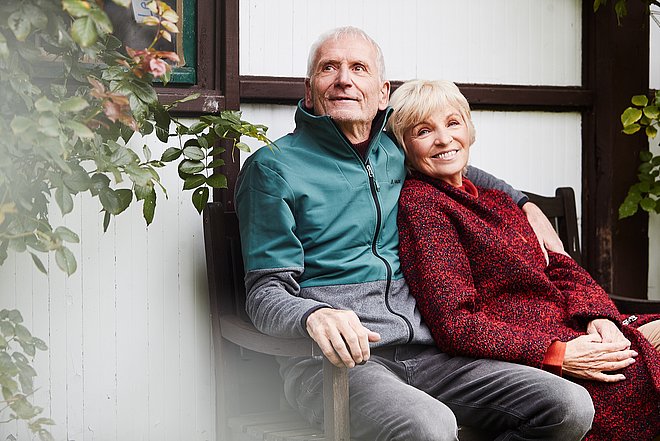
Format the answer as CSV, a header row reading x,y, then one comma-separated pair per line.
x,y
416,100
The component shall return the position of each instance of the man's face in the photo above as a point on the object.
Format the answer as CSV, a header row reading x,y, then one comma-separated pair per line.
x,y
345,84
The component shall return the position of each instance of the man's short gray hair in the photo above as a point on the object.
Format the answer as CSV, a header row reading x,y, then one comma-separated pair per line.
x,y
336,34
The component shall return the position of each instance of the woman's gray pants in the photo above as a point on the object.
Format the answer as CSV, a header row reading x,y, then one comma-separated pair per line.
x,y
417,393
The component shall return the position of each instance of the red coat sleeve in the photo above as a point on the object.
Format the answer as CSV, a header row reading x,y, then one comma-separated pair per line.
x,y
437,269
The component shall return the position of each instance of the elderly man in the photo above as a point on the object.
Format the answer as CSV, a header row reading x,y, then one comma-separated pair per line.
x,y
320,244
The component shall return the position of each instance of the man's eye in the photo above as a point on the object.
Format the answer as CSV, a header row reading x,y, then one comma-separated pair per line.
x,y
360,68
328,68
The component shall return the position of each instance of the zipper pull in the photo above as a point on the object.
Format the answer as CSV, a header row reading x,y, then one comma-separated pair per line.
x,y
370,172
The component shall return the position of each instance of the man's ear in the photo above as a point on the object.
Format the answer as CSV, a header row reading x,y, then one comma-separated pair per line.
x,y
384,96
309,103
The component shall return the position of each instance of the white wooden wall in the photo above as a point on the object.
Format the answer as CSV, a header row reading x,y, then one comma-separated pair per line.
x,y
130,353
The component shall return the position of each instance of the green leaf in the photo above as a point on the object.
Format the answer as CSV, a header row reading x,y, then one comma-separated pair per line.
x,y
163,135
200,197
171,154
630,116
106,221
67,235
640,100
78,180
651,112
627,209
77,8
197,128
64,199
38,263
217,180
101,21
22,333
216,163
74,104
194,181
115,201
651,132
194,153
98,181
21,124
647,204
39,344
123,157
80,130
43,104
243,147
7,330
83,32
146,151
645,156
15,316
66,260
620,8
162,118
633,128
149,207
191,167
20,25
597,4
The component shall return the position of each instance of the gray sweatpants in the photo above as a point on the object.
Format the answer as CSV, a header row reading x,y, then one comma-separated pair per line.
x,y
417,393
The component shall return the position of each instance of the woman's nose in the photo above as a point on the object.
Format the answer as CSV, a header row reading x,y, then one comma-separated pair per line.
x,y
443,138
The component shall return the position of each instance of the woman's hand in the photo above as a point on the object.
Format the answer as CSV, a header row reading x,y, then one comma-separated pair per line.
x,y
588,357
608,332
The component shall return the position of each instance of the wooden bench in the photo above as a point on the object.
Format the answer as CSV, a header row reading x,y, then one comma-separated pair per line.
x,y
250,404
560,209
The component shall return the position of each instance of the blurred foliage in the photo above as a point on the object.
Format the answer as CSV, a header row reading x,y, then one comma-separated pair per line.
x,y
17,349
645,193
71,98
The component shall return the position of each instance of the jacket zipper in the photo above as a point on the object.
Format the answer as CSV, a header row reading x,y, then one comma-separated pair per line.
x,y
375,188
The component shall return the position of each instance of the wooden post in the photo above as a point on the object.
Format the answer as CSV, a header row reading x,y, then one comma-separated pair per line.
x,y
336,416
615,67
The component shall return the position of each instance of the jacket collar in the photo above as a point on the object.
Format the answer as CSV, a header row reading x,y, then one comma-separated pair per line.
x,y
328,134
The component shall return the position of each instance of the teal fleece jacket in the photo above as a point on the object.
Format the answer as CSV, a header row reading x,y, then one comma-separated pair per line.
x,y
318,229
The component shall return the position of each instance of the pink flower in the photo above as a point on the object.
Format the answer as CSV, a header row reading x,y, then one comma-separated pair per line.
x,y
157,67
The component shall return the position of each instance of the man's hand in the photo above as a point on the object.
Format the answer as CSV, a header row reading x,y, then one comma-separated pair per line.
x,y
589,358
607,331
341,336
545,234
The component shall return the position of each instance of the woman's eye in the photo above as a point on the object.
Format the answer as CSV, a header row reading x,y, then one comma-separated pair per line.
x,y
423,132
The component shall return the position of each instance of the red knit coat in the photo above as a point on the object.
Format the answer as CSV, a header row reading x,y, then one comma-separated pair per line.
x,y
483,287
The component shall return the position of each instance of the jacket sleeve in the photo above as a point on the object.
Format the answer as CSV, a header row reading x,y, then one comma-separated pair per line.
x,y
482,179
437,269
585,299
272,254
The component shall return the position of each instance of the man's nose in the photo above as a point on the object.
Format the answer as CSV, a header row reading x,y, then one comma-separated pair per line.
x,y
343,76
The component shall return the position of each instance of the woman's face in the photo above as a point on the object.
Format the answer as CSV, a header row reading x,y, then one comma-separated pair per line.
x,y
439,146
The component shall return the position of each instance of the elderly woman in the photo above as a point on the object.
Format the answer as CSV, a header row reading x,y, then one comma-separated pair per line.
x,y
484,287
